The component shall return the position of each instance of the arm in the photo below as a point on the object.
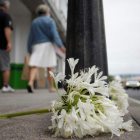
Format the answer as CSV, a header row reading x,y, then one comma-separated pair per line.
x,y
29,45
8,27
8,34
56,37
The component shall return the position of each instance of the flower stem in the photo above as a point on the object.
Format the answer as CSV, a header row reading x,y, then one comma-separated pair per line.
x,y
58,93
30,112
25,113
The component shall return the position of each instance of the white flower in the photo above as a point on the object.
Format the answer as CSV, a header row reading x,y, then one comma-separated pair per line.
x,y
72,95
58,77
116,87
67,123
62,118
53,119
85,108
127,125
91,72
119,96
72,64
56,104
72,81
109,125
102,90
92,88
74,113
99,79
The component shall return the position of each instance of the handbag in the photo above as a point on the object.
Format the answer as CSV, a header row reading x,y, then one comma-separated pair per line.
x,y
26,69
40,76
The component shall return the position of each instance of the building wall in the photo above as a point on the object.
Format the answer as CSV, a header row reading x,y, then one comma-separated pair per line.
x,y
22,20
63,8
61,5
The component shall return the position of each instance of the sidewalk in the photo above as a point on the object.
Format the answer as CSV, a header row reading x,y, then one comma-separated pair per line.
x,y
35,127
134,108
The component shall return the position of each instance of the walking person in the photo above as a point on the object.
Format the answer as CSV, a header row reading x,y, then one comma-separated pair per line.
x,y
43,34
6,27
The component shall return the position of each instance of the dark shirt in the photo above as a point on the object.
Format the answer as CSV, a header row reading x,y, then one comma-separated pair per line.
x,y
5,21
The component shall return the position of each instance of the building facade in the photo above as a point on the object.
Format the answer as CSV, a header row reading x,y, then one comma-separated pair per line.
x,y
23,13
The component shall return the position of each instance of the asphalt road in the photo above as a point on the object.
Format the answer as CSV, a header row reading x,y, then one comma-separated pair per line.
x,y
134,93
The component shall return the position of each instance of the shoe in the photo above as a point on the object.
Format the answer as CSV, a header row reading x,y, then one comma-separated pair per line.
x,y
29,89
7,89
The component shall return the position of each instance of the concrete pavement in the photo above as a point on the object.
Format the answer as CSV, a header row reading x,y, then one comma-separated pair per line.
x,y
35,127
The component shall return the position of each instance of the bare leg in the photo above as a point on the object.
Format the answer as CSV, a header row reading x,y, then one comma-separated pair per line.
x,y
6,76
33,72
50,78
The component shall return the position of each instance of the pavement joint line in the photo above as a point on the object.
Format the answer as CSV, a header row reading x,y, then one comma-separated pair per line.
x,y
134,100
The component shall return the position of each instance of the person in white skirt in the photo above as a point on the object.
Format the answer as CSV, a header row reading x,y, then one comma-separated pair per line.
x,y
42,37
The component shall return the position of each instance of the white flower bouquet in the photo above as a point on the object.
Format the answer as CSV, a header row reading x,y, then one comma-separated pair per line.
x,y
86,108
119,96
84,111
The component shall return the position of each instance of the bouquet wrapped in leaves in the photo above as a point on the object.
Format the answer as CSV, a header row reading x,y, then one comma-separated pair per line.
x,y
86,109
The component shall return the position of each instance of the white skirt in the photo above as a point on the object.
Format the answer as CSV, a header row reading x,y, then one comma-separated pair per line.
x,y
43,55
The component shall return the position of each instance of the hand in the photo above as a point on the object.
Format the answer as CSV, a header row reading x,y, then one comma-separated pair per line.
x,y
63,49
9,47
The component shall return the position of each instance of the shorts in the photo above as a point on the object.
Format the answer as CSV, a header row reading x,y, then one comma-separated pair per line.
x,y
4,60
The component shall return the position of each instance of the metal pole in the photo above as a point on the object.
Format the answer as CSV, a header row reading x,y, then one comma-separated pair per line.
x,y
86,35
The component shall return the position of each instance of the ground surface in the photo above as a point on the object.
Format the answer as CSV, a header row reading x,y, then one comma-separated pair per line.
x,y
35,127
134,93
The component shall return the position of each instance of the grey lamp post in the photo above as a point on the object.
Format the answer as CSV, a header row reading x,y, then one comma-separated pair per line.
x,y
86,35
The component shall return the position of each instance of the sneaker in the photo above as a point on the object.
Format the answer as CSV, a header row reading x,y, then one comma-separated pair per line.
x,y
7,89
